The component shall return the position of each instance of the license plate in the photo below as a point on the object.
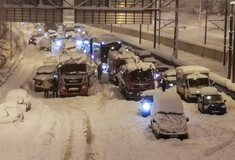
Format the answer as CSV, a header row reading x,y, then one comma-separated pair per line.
x,y
73,89
215,111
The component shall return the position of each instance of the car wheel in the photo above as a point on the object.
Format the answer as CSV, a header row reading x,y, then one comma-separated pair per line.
x,y
158,135
182,137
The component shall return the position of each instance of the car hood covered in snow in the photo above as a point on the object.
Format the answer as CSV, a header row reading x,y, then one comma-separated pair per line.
x,y
170,123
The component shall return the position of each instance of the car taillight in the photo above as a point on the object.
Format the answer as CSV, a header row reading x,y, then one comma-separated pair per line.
x,y
84,86
62,88
35,41
30,40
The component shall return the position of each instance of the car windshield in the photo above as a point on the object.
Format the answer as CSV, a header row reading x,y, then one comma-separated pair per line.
x,y
140,75
197,82
212,98
73,69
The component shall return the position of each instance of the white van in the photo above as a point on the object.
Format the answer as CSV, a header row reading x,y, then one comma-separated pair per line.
x,y
167,116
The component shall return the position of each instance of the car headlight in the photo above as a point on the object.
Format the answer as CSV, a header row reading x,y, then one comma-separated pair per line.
x,y
223,106
78,42
58,43
171,84
146,106
197,91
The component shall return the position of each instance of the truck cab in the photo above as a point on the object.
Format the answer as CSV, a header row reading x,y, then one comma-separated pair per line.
x,y
75,76
134,78
190,80
116,60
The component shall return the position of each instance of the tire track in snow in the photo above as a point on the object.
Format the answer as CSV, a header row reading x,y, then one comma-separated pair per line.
x,y
69,146
89,155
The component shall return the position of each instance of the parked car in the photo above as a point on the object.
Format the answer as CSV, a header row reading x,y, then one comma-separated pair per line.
x,y
43,73
143,54
45,43
167,116
211,102
32,40
169,77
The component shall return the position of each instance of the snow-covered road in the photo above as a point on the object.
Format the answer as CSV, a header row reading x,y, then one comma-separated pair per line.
x,y
104,126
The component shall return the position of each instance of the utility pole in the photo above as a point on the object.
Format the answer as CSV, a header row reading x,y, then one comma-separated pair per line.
x,y
205,37
230,41
11,41
140,34
159,22
175,50
225,32
155,29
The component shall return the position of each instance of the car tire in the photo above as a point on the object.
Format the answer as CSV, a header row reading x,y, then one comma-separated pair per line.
x,y
158,135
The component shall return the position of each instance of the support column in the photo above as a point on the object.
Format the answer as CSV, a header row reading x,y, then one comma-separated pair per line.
x,y
230,42
205,37
176,31
225,32
140,34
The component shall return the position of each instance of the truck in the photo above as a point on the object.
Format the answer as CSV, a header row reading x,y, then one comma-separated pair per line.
x,y
134,78
190,80
116,60
75,74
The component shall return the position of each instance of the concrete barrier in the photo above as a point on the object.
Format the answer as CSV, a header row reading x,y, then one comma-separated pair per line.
x,y
200,50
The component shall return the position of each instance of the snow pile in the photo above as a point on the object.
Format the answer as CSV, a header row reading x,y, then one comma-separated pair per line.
x,y
138,66
150,59
218,79
222,81
14,105
4,52
168,102
209,91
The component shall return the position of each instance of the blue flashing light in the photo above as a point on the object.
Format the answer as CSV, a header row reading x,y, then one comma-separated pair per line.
x,y
146,107
102,43
58,43
92,57
119,42
84,51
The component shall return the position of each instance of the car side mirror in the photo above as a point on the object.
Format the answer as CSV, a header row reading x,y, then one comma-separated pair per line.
x,y
187,119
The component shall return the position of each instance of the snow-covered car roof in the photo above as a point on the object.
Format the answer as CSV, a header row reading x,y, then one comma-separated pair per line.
x,y
170,72
118,55
46,69
191,69
138,66
74,58
196,75
107,38
168,102
209,91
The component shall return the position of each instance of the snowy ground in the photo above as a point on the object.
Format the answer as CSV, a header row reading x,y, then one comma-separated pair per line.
x,y
104,126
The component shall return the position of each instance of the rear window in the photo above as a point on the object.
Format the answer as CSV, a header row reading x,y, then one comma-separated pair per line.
x,y
73,69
